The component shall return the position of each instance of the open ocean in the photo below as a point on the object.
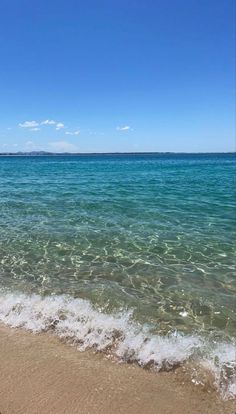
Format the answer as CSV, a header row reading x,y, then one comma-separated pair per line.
x,y
128,254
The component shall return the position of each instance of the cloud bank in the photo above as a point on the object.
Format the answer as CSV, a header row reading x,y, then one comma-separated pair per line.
x,y
35,124
29,124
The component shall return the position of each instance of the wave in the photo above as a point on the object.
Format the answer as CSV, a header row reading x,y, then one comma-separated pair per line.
x,y
79,321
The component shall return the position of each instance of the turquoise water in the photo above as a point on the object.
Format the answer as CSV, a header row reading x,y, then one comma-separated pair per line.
x,y
154,234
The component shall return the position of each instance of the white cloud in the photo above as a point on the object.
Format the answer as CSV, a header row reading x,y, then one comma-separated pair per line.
x,y
48,122
59,126
73,133
33,125
29,124
62,146
124,128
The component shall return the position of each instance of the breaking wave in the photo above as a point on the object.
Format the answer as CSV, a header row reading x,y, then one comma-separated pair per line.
x,y
77,320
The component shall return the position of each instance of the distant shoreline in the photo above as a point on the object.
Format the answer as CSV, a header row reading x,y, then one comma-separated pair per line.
x,y
61,154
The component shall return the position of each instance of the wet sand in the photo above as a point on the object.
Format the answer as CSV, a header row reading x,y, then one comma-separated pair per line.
x,y
40,374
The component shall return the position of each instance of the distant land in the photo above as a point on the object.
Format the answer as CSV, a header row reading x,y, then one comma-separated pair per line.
x,y
59,154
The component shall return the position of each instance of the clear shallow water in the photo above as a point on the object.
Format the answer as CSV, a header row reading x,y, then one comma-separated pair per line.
x,y
154,234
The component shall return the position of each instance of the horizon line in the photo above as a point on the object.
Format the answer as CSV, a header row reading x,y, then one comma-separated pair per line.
x,y
48,153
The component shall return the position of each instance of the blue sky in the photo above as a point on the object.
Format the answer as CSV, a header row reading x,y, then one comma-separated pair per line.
x,y
104,76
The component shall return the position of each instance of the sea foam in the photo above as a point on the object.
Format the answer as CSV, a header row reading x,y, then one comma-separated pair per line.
x,y
79,321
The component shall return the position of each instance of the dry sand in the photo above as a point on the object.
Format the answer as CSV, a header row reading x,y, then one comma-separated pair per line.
x,y
40,374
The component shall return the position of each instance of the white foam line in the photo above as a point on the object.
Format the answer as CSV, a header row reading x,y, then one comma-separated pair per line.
x,y
78,320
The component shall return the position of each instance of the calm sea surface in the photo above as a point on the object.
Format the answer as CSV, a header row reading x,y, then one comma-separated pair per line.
x,y
154,234
151,232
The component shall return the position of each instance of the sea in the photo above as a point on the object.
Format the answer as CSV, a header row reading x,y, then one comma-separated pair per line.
x,y
127,254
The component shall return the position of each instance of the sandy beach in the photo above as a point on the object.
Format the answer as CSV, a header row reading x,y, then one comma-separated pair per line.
x,y
40,374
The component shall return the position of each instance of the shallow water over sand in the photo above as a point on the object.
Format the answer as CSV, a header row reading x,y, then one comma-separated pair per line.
x,y
151,235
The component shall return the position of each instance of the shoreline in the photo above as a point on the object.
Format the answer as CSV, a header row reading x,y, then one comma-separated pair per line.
x,y
40,373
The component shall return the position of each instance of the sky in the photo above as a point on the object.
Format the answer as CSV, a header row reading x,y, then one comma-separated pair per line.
x,y
117,76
